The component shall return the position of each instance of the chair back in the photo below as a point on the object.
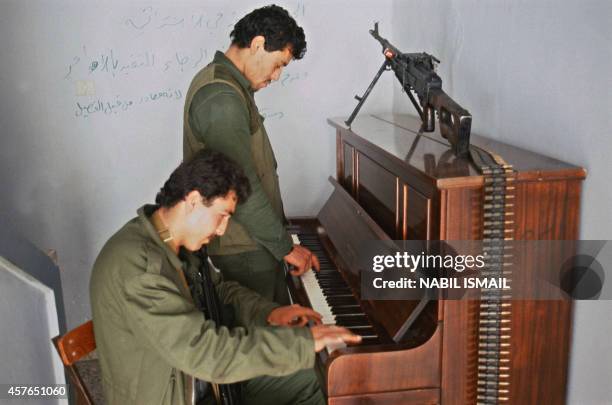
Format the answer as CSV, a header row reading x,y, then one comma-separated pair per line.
x,y
71,347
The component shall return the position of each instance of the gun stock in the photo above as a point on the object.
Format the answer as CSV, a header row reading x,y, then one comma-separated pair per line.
x,y
455,121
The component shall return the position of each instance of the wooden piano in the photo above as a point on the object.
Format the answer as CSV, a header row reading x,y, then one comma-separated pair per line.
x,y
393,182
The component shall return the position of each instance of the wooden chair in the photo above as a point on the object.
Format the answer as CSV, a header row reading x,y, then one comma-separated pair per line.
x,y
84,374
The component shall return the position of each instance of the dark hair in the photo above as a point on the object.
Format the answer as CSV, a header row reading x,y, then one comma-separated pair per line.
x,y
210,173
276,25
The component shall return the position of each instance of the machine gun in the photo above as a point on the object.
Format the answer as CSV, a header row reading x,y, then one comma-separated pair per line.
x,y
416,72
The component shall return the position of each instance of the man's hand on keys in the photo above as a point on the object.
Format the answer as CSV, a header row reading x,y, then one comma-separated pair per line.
x,y
302,259
326,335
293,315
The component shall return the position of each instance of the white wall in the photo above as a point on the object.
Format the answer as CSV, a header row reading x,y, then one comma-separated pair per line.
x,y
71,175
537,74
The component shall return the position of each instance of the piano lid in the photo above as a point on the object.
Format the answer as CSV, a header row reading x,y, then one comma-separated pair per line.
x,y
399,135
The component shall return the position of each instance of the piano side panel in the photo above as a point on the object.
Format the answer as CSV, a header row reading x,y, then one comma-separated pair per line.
x,y
541,330
544,210
460,219
547,210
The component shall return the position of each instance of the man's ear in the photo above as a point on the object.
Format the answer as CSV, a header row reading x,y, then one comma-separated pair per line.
x,y
256,43
192,200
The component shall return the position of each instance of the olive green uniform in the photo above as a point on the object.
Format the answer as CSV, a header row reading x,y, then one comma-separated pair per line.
x,y
221,114
151,339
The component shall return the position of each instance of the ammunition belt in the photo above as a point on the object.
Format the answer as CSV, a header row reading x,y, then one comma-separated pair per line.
x,y
495,310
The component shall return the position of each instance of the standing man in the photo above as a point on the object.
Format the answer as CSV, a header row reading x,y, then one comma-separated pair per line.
x,y
161,315
221,114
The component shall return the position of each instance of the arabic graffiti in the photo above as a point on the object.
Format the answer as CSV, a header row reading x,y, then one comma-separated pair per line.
x,y
161,62
119,104
288,78
271,115
152,18
113,63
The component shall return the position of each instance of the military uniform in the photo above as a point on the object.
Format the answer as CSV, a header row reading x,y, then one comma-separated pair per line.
x,y
221,114
151,339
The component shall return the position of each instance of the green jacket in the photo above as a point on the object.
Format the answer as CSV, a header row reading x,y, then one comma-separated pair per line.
x,y
151,338
220,113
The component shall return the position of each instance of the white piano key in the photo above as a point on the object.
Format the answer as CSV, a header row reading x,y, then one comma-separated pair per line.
x,y
296,240
334,346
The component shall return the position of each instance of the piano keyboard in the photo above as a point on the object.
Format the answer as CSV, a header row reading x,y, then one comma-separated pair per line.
x,y
330,296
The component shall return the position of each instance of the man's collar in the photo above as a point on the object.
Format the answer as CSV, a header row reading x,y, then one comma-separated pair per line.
x,y
144,215
224,60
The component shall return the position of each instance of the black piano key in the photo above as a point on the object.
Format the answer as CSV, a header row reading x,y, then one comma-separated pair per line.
x,y
330,277
336,291
326,266
327,273
327,269
333,290
330,283
338,301
347,310
370,341
347,303
352,320
332,286
364,332
331,280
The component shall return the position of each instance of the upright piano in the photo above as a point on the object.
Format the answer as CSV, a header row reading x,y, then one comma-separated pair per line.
x,y
394,182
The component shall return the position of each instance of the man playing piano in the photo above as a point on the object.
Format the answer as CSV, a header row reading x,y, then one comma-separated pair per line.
x,y
221,114
154,305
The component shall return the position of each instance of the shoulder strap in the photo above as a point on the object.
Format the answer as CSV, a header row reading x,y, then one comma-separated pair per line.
x,y
254,121
233,85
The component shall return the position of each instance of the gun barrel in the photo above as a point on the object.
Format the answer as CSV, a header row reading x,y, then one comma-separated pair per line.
x,y
383,41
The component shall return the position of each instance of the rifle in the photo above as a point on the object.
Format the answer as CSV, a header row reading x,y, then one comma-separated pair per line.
x,y
208,302
416,73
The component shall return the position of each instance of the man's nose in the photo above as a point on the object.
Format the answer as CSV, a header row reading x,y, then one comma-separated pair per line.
x,y
222,227
276,74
